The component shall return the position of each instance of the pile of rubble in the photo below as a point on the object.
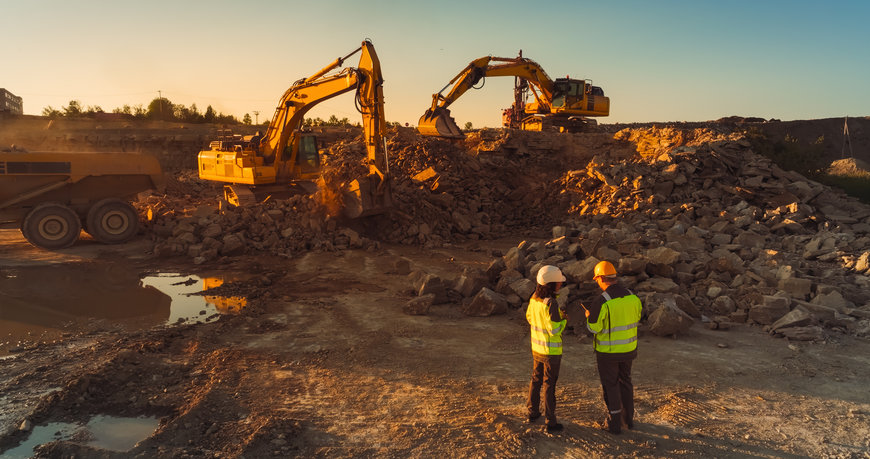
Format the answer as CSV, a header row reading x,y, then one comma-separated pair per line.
x,y
712,232
441,193
698,225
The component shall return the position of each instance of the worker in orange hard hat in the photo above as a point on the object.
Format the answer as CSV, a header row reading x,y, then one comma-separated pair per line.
x,y
613,318
547,322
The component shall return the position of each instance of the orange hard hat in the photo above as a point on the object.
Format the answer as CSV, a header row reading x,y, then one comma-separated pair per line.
x,y
604,269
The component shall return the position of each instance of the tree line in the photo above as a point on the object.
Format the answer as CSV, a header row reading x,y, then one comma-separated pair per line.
x,y
160,109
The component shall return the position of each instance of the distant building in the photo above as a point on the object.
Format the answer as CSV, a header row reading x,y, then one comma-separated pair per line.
x,y
10,103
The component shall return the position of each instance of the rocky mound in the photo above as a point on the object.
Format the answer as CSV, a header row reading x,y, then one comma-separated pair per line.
x,y
737,223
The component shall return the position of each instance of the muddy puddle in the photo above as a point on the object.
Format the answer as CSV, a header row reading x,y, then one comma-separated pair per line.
x,y
42,304
103,432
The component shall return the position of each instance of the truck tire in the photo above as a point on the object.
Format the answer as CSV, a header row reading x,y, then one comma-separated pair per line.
x,y
112,221
51,226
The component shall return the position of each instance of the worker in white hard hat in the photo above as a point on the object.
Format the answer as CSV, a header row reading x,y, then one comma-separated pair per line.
x,y
613,318
547,322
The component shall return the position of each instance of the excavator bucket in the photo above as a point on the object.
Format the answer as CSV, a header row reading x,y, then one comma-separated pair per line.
x,y
367,196
439,123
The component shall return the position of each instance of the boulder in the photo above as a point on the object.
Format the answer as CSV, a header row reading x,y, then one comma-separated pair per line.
x,y
658,284
662,256
232,245
485,303
419,306
432,284
469,284
579,271
770,309
798,317
523,288
723,305
795,287
668,320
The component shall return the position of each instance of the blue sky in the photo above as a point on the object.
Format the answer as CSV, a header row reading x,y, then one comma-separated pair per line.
x,y
657,61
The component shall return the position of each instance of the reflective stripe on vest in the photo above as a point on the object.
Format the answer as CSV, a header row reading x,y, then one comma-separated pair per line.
x,y
621,317
546,335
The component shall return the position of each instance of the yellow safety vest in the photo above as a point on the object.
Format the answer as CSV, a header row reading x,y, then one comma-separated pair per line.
x,y
616,328
546,334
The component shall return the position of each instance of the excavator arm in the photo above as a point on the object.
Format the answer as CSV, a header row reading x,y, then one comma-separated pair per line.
x,y
436,121
272,159
548,94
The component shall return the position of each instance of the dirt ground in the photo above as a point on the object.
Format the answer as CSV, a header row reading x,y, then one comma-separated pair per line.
x,y
323,362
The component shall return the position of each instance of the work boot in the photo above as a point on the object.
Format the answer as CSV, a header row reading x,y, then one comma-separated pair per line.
x,y
534,417
614,425
554,427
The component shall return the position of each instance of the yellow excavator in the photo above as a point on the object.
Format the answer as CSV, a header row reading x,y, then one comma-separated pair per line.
x,y
563,104
286,161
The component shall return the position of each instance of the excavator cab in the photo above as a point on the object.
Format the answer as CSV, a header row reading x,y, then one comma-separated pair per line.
x,y
308,155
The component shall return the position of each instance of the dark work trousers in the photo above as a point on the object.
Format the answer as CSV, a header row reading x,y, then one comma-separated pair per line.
x,y
545,372
616,382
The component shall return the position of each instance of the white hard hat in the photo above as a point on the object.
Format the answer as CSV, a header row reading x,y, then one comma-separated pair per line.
x,y
549,274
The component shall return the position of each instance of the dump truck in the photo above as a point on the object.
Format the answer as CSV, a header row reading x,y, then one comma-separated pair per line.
x,y
52,196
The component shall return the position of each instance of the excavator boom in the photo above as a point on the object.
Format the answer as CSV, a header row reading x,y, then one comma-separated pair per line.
x,y
285,159
552,98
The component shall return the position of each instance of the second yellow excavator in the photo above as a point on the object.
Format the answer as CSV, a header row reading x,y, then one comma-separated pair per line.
x,y
285,160
562,104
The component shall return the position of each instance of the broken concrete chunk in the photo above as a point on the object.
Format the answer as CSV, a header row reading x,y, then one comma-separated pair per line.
x,y
798,317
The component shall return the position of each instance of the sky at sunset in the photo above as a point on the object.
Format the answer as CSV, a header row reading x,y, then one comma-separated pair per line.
x,y
656,60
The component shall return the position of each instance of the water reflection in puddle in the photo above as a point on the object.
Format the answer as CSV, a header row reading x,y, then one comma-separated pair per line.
x,y
104,432
42,304
189,303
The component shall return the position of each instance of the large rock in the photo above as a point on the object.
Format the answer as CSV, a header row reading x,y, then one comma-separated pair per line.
x,y
770,309
667,320
419,306
485,303
798,317
662,256
796,287
658,284
232,245
469,284
723,305
432,284
579,271
523,288
833,299
515,259
493,271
